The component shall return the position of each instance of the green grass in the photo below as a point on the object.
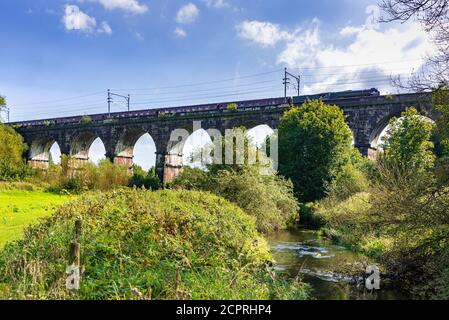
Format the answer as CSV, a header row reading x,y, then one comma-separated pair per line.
x,y
21,208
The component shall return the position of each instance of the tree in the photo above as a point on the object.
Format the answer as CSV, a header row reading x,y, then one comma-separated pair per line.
x,y
12,148
408,142
440,101
2,104
433,15
314,145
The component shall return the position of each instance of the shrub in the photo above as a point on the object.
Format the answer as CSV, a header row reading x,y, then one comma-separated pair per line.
x,y
141,179
12,148
67,177
268,198
154,245
348,182
232,106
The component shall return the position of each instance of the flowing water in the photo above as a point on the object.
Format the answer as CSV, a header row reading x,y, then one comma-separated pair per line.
x,y
315,259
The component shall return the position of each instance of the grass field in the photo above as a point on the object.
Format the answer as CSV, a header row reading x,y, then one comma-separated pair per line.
x,y
20,208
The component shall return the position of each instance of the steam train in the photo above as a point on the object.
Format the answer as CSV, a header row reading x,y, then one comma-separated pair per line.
x,y
260,104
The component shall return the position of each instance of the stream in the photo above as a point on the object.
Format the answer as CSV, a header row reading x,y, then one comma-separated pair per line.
x,y
315,259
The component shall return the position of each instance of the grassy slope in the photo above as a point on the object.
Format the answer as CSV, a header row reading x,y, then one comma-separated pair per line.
x,y
20,208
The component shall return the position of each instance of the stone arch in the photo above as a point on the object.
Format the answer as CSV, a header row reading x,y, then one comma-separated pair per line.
x,y
383,125
39,154
126,146
81,145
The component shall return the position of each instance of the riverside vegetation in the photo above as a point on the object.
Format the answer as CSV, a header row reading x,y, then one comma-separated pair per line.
x,y
394,210
141,242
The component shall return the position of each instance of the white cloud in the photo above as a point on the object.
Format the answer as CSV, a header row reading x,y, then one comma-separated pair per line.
x,y
216,3
104,27
262,33
127,5
75,19
180,33
366,55
187,14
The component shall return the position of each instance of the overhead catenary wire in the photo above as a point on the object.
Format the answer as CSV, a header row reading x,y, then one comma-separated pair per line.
x,y
191,99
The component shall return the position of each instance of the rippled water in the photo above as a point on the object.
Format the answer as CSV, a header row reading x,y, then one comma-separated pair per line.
x,y
304,252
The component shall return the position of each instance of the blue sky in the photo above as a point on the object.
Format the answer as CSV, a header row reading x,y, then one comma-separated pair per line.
x,y
59,57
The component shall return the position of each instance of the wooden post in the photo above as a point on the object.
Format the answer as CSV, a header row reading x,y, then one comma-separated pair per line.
x,y
74,258
78,230
75,246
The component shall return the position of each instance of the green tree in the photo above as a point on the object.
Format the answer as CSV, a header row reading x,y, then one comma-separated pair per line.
x,y
314,144
2,104
408,142
440,101
12,148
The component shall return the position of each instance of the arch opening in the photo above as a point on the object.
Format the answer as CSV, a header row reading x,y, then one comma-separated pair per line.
x,y
136,146
88,147
55,153
97,151
258,135
196,150
380,135
144,152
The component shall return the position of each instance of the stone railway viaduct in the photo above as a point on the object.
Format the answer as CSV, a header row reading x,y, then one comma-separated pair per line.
x,y
366,116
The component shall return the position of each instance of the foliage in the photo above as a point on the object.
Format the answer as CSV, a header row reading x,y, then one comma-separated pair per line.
x,y
2,104
73,178
349,181
269,198
148,180
146,245
440,101
232,106
12,148
314,145
86,119
407,142
403,222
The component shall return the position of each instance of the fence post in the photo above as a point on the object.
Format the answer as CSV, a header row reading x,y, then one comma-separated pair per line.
x,y
72,282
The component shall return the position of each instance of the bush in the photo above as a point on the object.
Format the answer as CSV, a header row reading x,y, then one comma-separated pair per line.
x,y
67,177
268,198
12,149
348,182
154,245
141,179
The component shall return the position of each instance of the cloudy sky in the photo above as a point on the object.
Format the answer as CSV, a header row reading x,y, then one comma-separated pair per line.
x,y
59,57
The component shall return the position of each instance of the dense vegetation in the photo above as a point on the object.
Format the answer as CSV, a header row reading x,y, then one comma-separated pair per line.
x,y
139,244
402,218
12,148
314,146
268,198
